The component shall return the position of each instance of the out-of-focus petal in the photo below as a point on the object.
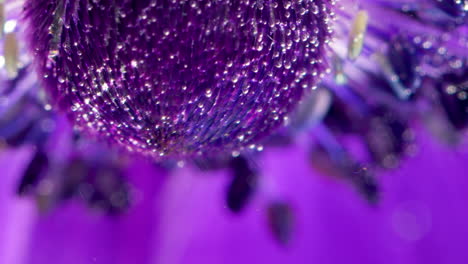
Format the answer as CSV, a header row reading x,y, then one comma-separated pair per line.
x,y
17,215
420,219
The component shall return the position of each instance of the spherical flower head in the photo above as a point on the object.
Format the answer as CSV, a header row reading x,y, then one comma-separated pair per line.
x,y
179,78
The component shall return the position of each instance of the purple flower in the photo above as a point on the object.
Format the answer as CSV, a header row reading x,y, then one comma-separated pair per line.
x,y
176,79
218,131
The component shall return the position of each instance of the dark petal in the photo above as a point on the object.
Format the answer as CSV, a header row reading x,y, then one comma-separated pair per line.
x,y
404,61
73,175
366,183
340,164
453,92
342,118
110,190
36,168
387,137
32,133
323,162
454,8
385,83
445,14
10,85
242,186
281,221
16,132
76,137
434,116
24,121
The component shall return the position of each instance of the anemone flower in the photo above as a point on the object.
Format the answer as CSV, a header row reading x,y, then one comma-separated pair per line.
x,y
249,131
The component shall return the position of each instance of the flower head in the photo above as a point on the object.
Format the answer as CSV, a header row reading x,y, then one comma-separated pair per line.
x,y
176,79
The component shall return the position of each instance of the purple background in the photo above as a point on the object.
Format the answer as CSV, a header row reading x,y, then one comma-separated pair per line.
x,y
180,217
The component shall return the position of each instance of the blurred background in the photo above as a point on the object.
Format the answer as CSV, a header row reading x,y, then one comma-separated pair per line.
x,y
180,217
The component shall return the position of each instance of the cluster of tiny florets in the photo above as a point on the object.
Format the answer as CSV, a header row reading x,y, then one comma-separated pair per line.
x,y
179,78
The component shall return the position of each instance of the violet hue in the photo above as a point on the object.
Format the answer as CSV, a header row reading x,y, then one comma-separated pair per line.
x,y
374,98
178,78
368,122
180,221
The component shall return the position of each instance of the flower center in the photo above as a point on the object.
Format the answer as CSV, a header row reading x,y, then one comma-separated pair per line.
x,y
179,78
